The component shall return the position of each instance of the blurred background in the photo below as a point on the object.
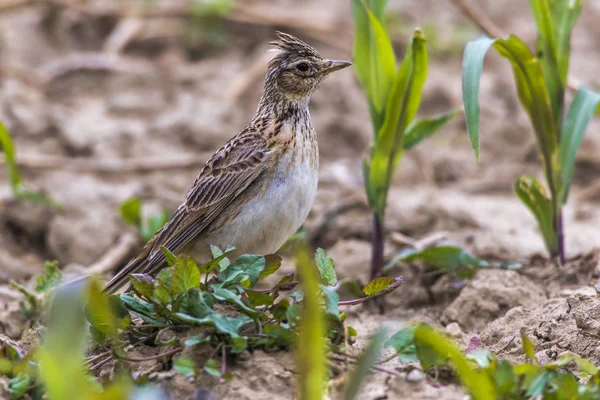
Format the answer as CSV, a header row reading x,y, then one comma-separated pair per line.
x,y
107,100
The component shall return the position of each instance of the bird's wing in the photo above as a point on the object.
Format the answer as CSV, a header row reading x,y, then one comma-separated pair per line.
x,y
223,178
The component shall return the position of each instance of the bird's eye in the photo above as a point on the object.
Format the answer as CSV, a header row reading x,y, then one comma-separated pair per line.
x,y
302,67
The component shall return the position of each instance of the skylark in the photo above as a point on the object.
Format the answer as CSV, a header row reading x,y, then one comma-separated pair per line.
x,y
257,190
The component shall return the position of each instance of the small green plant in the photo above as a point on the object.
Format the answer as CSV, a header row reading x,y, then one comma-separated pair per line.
x,y
14,176
35,302
131,212
56,370
541,79
393,96
485,377
446,258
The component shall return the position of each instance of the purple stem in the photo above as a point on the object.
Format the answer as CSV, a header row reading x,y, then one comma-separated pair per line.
x,y
376,247
560,237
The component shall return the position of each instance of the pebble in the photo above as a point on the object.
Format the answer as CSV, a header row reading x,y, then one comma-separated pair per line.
x,y
453,329
415,375
583,291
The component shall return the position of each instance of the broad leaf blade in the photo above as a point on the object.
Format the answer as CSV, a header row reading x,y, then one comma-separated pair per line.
x,y
472,67
374,60
326,268
422,129
533,195
402,106
378,285
580,113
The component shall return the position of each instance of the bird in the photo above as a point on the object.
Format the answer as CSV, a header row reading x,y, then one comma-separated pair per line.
x,y
257,190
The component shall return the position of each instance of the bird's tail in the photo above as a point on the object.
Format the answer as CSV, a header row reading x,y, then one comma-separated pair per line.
x,y
136,266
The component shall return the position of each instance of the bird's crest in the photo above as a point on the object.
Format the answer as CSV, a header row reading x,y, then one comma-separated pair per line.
x,y
287,44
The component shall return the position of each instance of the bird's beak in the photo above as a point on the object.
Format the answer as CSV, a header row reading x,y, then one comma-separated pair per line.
x,y
335,65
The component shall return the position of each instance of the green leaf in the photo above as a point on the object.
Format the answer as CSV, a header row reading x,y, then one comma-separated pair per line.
x,y
143,284
64,345
259,299
374,60
443,257
331,301
402,105
538,385
586,366
272,264
185,366
528,347
131,211
219,259
504,375
580,113
99,311
422,129
222,323
153,224
478,383
403,342
326,268
137,306
184,276
363,365
19,385
247,267
49,279
532,91
213,367
378,285
533,95
311,346
200,303
169,257
533,195
232,298
482,357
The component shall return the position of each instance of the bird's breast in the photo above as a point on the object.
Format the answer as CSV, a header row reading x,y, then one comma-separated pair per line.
x,y
266,221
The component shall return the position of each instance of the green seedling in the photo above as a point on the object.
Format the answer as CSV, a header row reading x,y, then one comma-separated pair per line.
x,y
393,94
541,79
57,369
486,377
14,176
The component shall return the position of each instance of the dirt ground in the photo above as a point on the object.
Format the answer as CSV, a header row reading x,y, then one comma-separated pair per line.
x,y
99,116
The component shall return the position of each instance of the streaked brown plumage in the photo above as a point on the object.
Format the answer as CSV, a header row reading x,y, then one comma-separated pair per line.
x,y
256,190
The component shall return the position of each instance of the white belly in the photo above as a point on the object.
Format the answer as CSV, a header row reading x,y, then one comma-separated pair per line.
x,y
266,222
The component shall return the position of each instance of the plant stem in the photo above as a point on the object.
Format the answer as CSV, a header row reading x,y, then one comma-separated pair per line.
x,y
376,246
560,236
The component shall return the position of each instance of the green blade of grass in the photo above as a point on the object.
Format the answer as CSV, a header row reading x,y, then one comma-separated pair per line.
x,y
311,346
580,113
363,365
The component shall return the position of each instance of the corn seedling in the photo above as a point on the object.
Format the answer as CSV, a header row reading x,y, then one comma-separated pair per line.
x,y
541,79
393,96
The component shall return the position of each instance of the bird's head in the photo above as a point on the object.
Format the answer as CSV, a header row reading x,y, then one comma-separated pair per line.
x,y
297,69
